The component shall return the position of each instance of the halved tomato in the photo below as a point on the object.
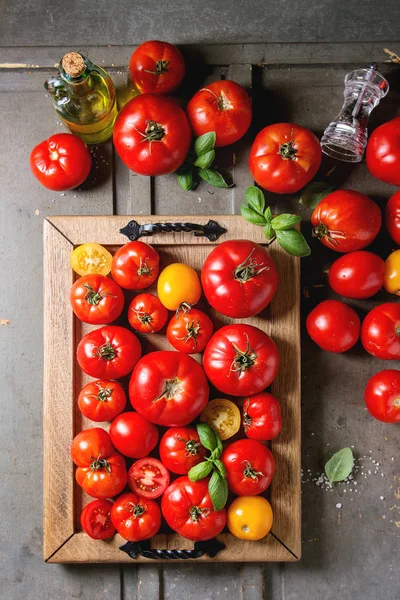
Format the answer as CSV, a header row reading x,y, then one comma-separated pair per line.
x,y
223,416
91,258
96,520
148,478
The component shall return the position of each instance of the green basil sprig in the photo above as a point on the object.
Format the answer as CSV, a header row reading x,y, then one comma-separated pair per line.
x,y
198,165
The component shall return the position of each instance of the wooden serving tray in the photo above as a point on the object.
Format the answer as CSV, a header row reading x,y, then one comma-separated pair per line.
x,y
64,542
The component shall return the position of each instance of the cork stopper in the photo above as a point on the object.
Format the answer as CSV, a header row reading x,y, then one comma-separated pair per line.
x,y
73,64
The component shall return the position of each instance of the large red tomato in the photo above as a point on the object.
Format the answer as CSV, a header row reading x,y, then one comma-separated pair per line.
x,y
284,157
249,467
224,107
146,313
334,326
239,278
133,435
62,162
241,360
382,396
380,331
102,400
180,449
135,518
346,221
109,352
135,266
168,388
152,135
156,67
188,510
392,217
261,417
96,299
357,274
189,331
383,152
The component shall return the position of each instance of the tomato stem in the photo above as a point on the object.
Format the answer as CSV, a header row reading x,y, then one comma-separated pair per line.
x,y
287,150
106,351
161,67
136,509
196,513
248,269
243,359
100,463
144,318
192,329
247,420
192,447
223,103
104,394
250,472
144,269
397,330
172,387
94,297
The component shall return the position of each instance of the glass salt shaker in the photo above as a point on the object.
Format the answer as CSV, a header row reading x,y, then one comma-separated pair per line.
x,y
346,137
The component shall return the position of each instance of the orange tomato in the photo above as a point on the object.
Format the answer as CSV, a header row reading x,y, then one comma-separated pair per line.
x,y
178,284
250,517
391,278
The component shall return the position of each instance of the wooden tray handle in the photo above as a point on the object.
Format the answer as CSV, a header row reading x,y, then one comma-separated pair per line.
x,y
210,547
211,230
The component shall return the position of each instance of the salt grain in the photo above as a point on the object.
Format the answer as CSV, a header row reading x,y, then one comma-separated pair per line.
x,y
339,505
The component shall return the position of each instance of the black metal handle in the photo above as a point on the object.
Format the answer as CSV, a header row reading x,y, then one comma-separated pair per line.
x,y
210,547
211,230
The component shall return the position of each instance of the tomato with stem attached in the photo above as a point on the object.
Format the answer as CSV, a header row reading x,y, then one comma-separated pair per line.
x,y
380,331
96,299
148,477
180,449
102,400
135,518
250,517
357,274
261,417
382,396
383,152
156,67
135,266
392,217
334,326
249,467
133,435
146,314
189,330
178,285
96,520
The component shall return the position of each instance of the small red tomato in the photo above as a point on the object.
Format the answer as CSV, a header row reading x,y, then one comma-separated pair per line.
x,y
102,400
133,435
380,332
61,163
148,477
382,396
96,520
156,67
392,217
135,266
189,331
357,274
146,313
135,518
334,326
103,476
249,467
261,417
96,299
180,449
383,152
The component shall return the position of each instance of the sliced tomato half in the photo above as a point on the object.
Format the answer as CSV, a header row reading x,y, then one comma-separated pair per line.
x,y
148,478
96,519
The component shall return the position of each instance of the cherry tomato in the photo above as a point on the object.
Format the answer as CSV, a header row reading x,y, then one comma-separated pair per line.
x,y
334,326
392,273
383,152
148,477
223,416
135,266
152,135
89,444
91,258
240,360
156,67
135,518
250,517
249,467
178,284
188,510
133,435
168,388
96,299
224,107
61,163
102,400
346,221
392,217
261,417
96,520
146,313
109,352
380,332
189,331
382,396
239,278
180,449
357,274
284,157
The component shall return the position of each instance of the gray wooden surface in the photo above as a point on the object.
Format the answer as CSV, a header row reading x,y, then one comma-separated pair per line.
x,y
348,552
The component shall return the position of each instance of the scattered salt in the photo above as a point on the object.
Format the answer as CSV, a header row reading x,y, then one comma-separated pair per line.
x,y
339,505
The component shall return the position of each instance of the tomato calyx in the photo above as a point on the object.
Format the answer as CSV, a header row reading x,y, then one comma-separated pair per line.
x,y
397,330
248,268
104,394
288,151
193,329
172,387
223,103
243,359
249,472
106,351
100,463
144,318
196,513
160,67
320,231
144,269
137,510
247,421
191,446
94,297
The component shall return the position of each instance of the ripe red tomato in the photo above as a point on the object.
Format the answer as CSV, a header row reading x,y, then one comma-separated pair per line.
x,y
346,221
261,417
241,360
188,510
380,332
61,163
133,435
135,518
148,477
249,467
224,107
146,313
189,331
135,266
334,326
357,274
392,217
96,299
109,352
168,388
156,67
152,135
102,400
284,157
382,396
239,278
96,520
89,444
180,449
383,152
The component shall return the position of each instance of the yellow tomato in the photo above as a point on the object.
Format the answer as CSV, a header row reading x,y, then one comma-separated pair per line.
x,y
91,258
178,284
223,416
250,517
391,281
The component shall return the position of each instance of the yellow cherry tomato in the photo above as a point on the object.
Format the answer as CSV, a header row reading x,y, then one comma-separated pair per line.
x,y
223,416
391,280
250,517
91,258
178,284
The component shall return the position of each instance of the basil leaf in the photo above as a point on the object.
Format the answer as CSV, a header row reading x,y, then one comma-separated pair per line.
x,y
282,222
207,436
314,192
219,465
205,143
218,490
340,465
205,160
255,199
185,180
268,231
200,471
220,446
250,215
213,178
268,214
293,242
